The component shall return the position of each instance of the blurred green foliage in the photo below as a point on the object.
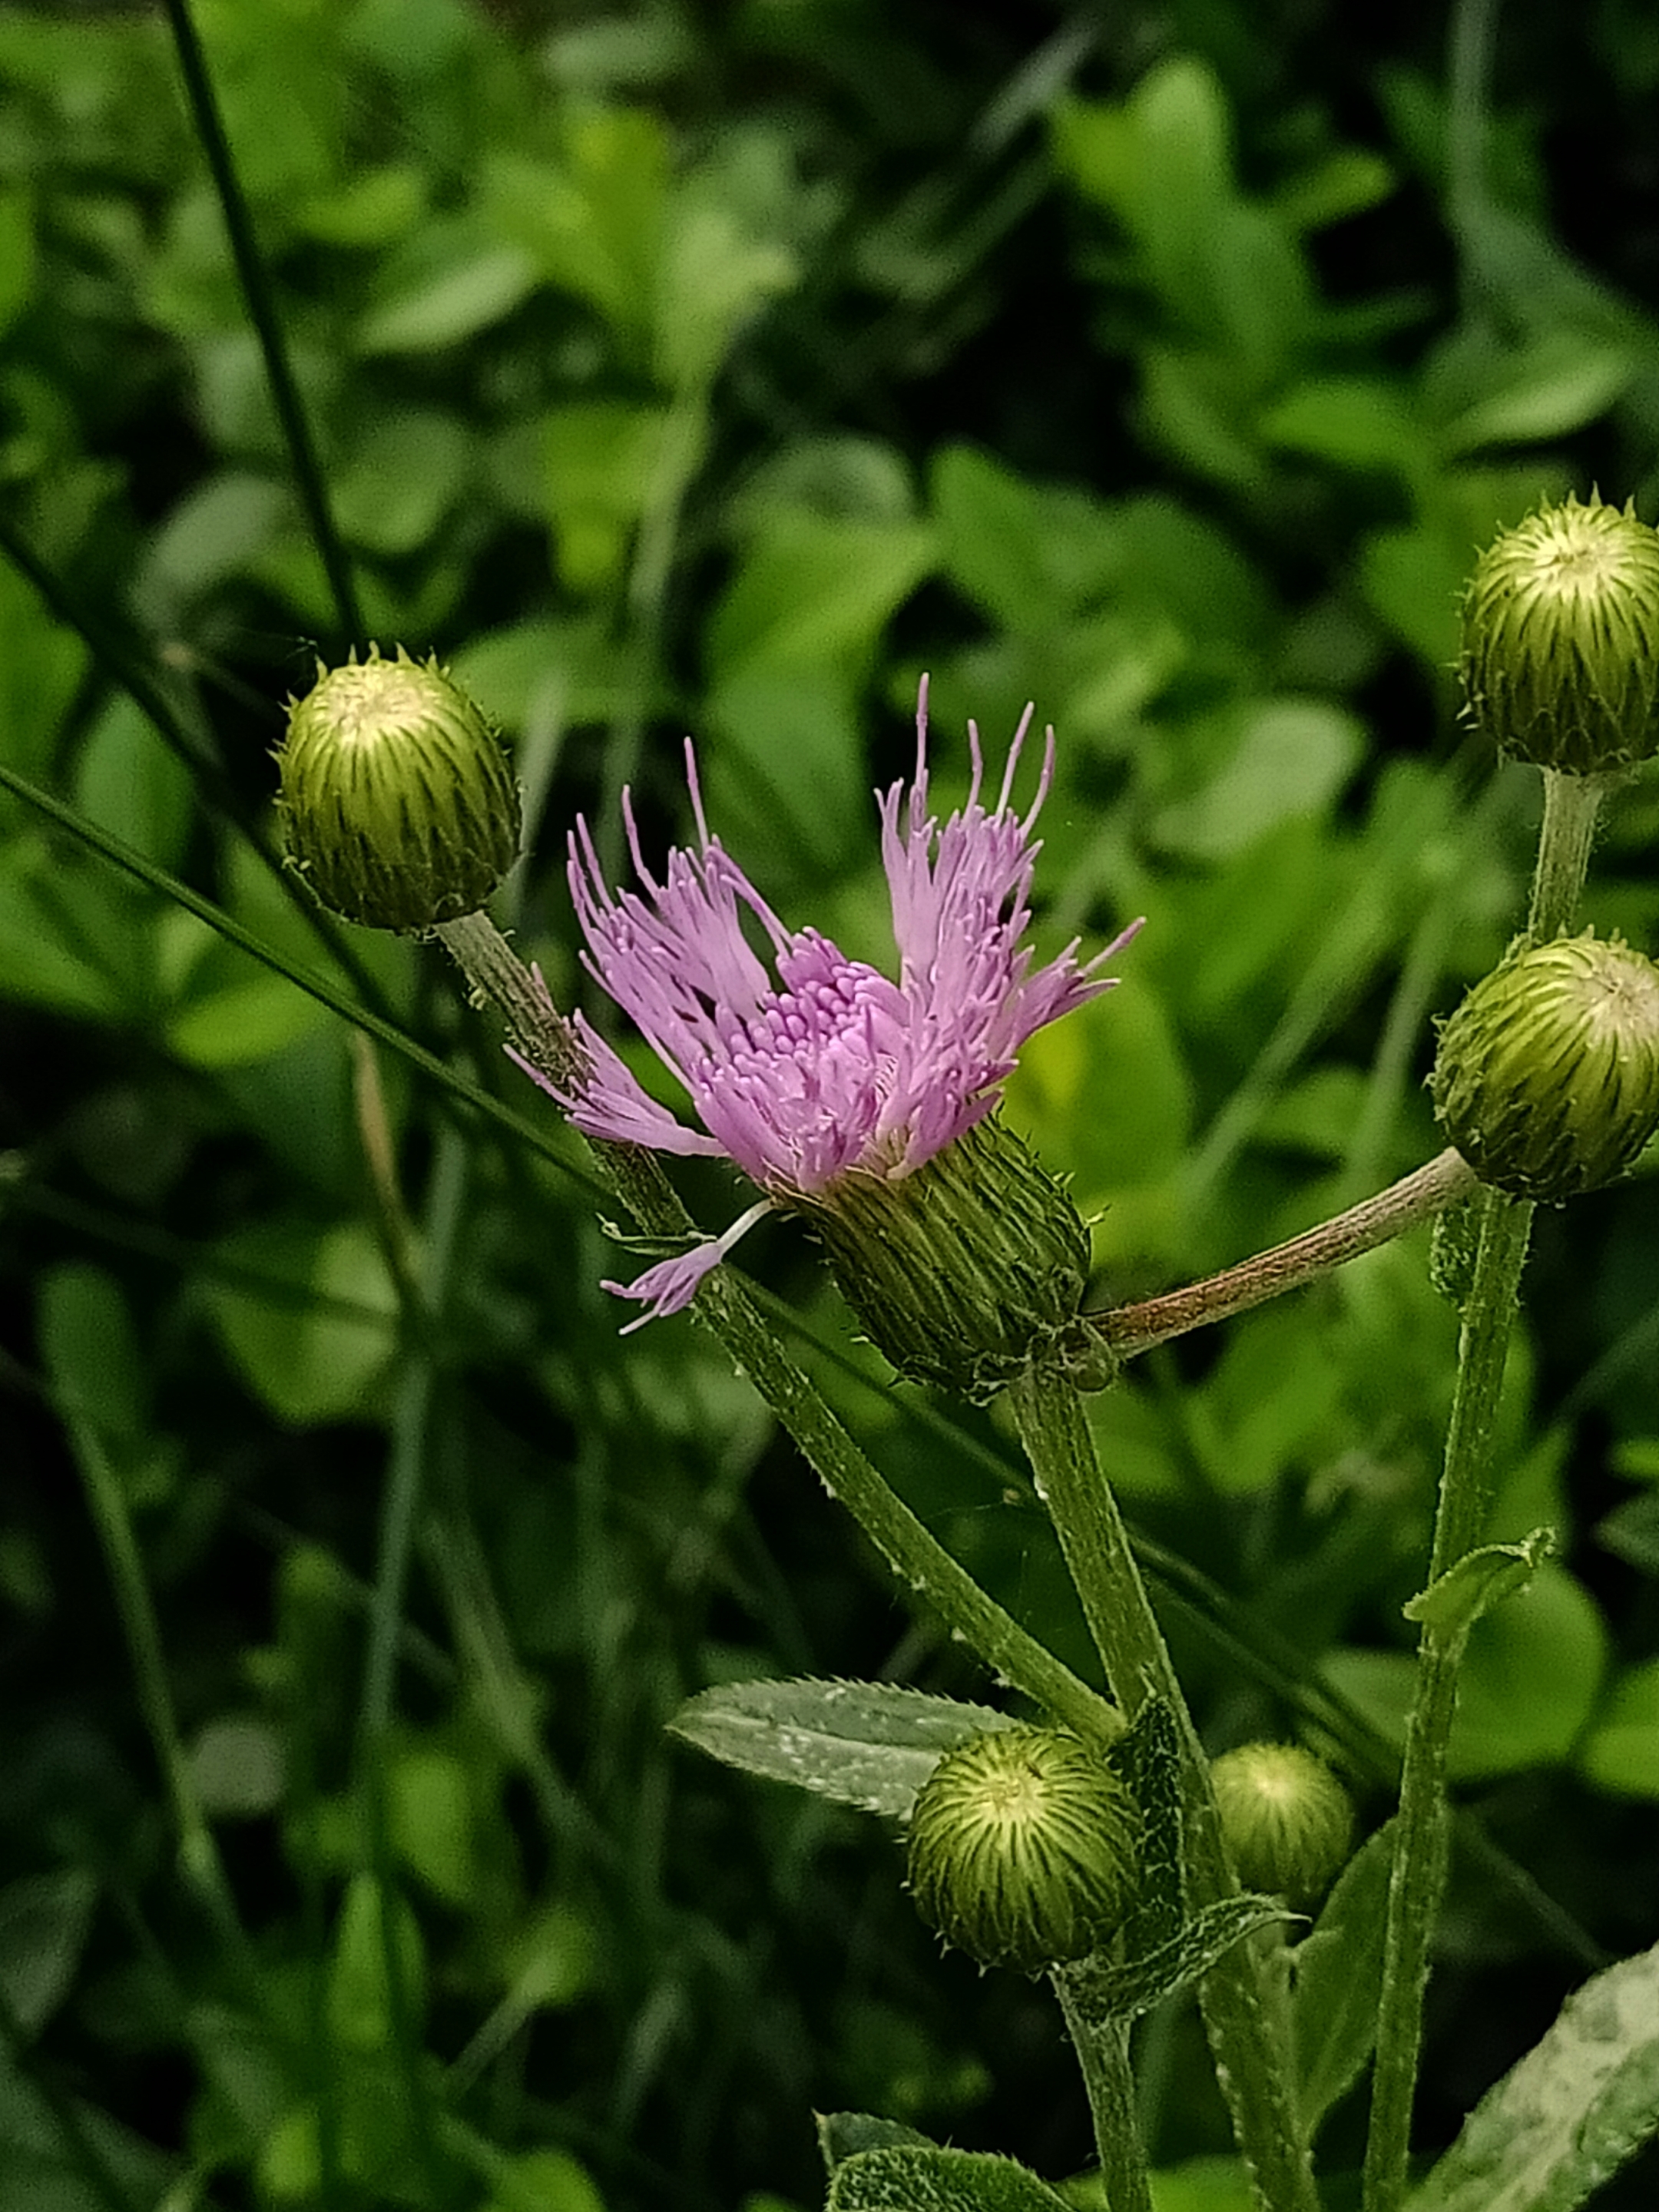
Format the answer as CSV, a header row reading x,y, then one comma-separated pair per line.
x,y
720,369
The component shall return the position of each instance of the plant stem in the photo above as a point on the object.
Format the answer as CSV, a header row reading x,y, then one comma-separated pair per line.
x,y
1417,1878
405,1481
198,1854
261,305
1374,1221
1102,2055
916,1556
1571,806
1238,2005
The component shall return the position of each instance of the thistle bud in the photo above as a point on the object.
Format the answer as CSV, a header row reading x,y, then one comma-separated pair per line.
x,y
399,802
1024,1849
1560,657
1285,1819
966,1271
1546,1077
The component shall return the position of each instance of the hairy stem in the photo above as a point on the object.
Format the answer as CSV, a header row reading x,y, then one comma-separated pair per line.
x,y
1102,2056
1374,1221
1417,1878
1238,2004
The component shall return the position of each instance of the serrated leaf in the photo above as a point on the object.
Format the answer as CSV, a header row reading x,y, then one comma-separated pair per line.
x,y
1582,2101
904,2179
843,2135
1124,1992
868,1744
1338,1972
1454,1601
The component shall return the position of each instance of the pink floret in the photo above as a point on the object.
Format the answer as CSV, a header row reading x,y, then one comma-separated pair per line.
x,y
803,1069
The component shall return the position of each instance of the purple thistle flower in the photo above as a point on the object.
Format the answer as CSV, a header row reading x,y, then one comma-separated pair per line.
x,y
818,1067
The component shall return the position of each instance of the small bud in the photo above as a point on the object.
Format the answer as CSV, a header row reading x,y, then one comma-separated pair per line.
x,y
1286,1819
1546,1077
1560,658
399,804
1024,1849
965,1271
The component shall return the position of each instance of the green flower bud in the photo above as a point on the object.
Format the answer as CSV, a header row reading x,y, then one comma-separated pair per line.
x,y
399,804
1285,1819
1560,659
1024,1849
966,1271
1546,1077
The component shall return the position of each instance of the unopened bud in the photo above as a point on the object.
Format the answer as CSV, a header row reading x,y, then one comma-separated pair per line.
x,y
1286,1820
1560,658
1024,1849
1546,1077
399,802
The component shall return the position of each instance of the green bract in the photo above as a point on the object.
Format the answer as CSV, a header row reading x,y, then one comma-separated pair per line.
x,y
1546,1077
967,1270
1560,657
1287,1822
399,804
1024,1849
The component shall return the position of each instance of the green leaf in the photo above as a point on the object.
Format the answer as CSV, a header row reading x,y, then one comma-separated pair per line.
x,y
361,2015
44,1923
1582,2101
1556,385
315,1343
868,1744
402,479
843,2135
16,255
1454,1601
1337,1972
92,1354
1280,758
544,2181
788,776
1141,1983
449,279
812,590
1357,422
904,2178
1621,1752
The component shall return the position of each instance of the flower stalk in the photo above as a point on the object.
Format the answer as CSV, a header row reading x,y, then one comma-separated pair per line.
x,y
1128,1330
1417,1878
1237,2000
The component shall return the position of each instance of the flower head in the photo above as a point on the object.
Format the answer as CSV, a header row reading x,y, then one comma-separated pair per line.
x,y
812,1072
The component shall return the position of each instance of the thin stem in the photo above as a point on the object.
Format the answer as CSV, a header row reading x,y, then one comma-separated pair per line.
x,y
400,1506
1238,2003
199,1854
1374,1221
1571,806
1417,1878
261,305
1102,2055
916,1557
